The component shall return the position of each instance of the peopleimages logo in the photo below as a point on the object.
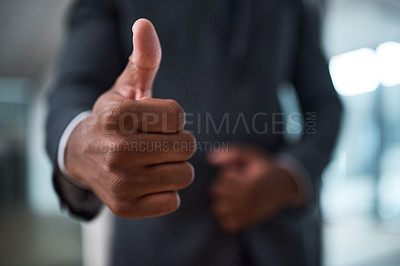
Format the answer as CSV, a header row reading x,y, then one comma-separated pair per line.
x,y
258,123
127,125
155,146
206,123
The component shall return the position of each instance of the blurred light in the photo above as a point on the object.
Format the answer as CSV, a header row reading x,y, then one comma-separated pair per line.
x,y
388,59
389,196
355,72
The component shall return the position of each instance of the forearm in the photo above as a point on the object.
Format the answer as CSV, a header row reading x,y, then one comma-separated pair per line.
x,y
88,65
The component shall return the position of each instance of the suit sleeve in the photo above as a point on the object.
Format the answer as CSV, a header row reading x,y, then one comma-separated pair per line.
x,y
89,63
321,107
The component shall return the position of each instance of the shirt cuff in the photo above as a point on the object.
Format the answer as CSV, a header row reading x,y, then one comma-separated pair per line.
x,y
300,176
63,144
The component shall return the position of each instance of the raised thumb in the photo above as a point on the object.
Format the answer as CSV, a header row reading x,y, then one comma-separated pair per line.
x,y
137,79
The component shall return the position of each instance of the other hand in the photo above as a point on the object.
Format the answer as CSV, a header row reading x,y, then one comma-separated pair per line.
x,y
249,188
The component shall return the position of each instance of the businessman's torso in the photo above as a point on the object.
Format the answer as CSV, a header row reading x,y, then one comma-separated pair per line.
x,y
223,64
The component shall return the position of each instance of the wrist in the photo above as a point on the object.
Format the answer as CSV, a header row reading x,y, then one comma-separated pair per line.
x,y
74,165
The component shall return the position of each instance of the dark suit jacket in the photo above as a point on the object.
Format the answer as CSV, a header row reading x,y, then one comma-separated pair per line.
x,y
219,56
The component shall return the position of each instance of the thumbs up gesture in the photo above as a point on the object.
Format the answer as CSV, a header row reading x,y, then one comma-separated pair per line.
x,y
132,150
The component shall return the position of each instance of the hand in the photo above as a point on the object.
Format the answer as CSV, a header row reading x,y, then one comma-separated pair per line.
x,y
132,150
249,188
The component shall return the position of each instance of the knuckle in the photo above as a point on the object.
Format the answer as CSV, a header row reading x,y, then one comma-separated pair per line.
x,y
109,117
175,107
111,111
176,116
173,202
119,208
187,174
187,145
169,204
126,208
191,139
112,159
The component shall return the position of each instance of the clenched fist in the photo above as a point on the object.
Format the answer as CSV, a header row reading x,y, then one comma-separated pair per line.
x,y
249,189
132,150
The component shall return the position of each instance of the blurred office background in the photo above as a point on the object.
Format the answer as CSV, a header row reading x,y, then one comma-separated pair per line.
x,y
361,185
